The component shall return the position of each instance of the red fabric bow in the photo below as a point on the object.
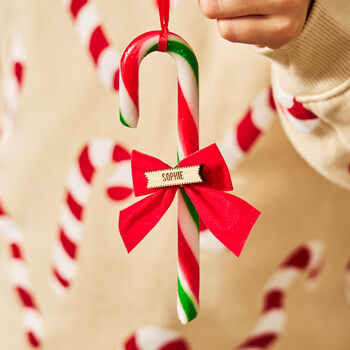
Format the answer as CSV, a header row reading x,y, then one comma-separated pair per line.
x,y
229,218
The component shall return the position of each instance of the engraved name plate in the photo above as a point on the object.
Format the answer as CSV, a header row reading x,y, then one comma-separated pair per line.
x,y
174,176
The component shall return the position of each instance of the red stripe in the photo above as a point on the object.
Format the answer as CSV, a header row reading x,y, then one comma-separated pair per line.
x,y
116,81
299,259
75,208
86,168
69,246
76,6
2,210
175,345
129,66
188,264
18,71
298,111
120,153
26,298
33,340
187,128
260,341
130,344
98,43
272,103
118,193
273,300
247,132
62,280
16,251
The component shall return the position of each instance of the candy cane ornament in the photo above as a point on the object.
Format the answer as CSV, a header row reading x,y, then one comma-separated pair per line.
x,y
155,338
94,156
32,321
12,83
307,258
188,219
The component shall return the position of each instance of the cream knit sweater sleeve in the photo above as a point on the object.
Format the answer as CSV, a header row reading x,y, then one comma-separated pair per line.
x,y
311,83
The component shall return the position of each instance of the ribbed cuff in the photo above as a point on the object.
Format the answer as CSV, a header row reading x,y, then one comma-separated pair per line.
x,y
318,60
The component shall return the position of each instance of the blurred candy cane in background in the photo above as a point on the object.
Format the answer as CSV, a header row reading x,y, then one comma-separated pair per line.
x,y
153,338
97,154
13,68
238,142
307,258
32,321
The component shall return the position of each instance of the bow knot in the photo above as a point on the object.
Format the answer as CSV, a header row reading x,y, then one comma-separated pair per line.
x,y
229,218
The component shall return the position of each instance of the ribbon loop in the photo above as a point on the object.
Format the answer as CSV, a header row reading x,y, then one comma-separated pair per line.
x,y
164,9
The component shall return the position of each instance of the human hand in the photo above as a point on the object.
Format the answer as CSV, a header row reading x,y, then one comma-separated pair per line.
x,y
270,23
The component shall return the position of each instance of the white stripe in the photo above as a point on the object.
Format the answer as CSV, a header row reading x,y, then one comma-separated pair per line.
x,y
10,230
230,149
273,321
100,152
77,185
262,114
107,66
180,312
11,94
19,275
70,225
121,176
210,243
64,264
32,321
57,288
153,338
284,99
66,3
282,278
86,22
16,50
189,86
301,125
186,287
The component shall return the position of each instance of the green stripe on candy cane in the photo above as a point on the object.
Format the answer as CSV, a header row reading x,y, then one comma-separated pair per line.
x,y
182,50
191,208
186,302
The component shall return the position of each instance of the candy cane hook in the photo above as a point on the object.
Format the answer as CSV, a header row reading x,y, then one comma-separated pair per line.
x,y
188,143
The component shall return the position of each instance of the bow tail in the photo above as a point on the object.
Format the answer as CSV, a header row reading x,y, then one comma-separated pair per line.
x,y
137,220
229,218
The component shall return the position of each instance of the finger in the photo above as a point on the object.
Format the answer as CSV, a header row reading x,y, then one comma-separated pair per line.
x,y
270,31
237,8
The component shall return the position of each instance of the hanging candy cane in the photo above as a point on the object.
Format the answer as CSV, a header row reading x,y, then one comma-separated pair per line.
x,y
155,338
20,280
307,258
347,281
188,219
12,83
237,143
94,156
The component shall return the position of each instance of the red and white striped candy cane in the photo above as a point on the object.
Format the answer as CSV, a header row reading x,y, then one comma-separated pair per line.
x,y
12,83
307,258
20,280
155,338
299,116
92,36
95,155
188,219
237,143
347,281
258,118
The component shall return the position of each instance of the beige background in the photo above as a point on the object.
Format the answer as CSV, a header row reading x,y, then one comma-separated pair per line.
x,y
64,105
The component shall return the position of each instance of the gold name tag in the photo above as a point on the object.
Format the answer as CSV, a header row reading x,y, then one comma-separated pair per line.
x,y
174,176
